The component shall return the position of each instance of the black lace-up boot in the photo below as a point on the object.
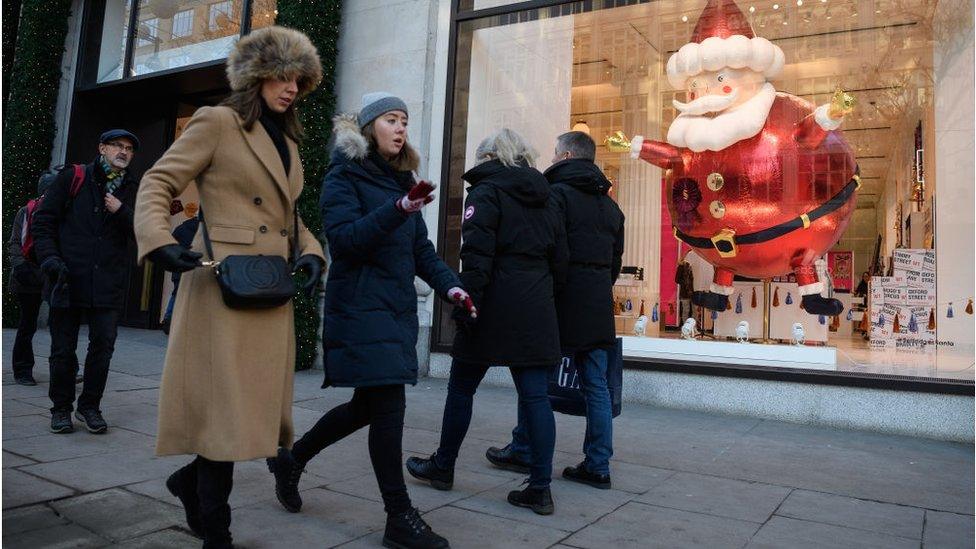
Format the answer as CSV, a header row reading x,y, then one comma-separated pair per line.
x,y
287,473
408,530
427,470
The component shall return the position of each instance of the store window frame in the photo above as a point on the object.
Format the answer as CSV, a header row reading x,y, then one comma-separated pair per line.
x,y
91,39
440,344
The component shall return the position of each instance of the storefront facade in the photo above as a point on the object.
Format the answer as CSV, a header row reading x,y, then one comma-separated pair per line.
x,y
542,67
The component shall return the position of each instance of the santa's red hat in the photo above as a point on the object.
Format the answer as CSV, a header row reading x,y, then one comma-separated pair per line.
x,y
723,38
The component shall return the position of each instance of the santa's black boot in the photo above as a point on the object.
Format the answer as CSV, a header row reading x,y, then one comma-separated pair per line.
x,y
817,304
710,300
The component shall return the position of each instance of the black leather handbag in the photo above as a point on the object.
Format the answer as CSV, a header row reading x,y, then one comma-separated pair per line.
x,y
254,281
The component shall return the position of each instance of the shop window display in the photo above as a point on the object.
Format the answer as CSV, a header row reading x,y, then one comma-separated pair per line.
x,y
766,156
173,34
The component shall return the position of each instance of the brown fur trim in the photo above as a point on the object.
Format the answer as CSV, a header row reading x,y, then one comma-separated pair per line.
x,y
275,53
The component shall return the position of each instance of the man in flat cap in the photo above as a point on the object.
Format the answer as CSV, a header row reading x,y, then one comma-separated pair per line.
x,y
81,232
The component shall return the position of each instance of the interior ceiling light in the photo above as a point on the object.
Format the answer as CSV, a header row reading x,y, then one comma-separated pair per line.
x,y
775,6
752,9
799,2
581,126
684,18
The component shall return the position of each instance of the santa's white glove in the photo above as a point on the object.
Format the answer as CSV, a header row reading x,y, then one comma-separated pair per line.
x,y
412,206
462,299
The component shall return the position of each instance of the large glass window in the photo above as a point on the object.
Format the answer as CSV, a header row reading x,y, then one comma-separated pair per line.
x,y
790,151
115,33
169,35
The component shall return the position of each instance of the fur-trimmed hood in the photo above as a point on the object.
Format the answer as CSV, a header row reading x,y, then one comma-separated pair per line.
x,y
349,139
274,52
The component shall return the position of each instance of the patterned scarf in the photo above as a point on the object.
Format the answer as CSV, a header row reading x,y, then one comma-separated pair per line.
x,y
114,178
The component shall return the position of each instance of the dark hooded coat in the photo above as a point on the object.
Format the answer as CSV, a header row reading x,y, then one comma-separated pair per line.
x,y
512,257
370,320
595,235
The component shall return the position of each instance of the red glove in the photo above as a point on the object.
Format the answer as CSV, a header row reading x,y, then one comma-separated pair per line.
x,y
462,299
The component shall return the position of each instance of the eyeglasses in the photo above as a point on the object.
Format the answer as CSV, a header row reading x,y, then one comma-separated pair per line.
x,y
122,146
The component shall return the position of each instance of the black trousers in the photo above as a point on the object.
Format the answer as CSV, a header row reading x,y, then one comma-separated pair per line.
x,y
102,329
381,408
23,354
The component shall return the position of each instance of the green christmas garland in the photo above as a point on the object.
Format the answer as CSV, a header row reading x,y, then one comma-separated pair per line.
x,y
29,126
319,19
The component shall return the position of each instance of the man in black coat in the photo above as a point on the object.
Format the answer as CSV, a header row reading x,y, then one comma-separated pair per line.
x,y
584,304
81,242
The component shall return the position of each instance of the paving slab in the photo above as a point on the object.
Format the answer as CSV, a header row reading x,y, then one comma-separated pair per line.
x,y
948,530
25,519
327,519
65,536
49,447
14,408
25,425
467,529
20,489
884,518
717,496
639,526
99,512
13,460
576,505
98,472
782,532
163,539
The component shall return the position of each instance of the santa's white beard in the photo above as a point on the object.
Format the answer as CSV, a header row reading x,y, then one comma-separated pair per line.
x,y
701,132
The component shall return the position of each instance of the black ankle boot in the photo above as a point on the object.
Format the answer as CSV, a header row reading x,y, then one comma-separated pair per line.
x,y
407,530
183,485
817,304
537,499
505,458
287,473
584,476
711,300
427,469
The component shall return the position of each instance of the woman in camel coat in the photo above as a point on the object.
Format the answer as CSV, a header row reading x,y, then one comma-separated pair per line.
x,y
226,392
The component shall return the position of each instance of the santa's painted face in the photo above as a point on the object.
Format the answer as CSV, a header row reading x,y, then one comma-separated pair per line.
x,y
716,91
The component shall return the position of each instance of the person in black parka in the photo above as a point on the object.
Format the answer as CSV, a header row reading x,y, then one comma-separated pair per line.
x,y
378,243
595,234
513,255
83,241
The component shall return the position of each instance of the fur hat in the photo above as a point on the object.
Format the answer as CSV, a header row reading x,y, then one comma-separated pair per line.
x,y
274,53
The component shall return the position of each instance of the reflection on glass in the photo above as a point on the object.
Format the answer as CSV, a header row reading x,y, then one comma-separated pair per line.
x,y
603,69
263,13
177,33
115,29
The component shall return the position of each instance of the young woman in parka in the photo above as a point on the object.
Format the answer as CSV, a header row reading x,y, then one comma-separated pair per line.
x,y
226,392
512,257
378,243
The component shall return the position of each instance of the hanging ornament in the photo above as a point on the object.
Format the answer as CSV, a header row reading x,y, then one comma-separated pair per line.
x,y
789,298
628,306
850,314
641,313
969,307
822,320
881,320
728,304
671,308
949,312
714,315
863,326
913,324
834,323
776,297
738,305
897,327
932,319
654,313
754,303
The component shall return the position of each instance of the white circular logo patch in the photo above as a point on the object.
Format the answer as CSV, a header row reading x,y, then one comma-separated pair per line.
x,y
469,213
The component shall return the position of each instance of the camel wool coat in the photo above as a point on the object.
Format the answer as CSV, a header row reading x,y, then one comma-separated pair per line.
x,y
226,391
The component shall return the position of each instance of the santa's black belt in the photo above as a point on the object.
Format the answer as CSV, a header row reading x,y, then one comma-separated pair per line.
x,y
726,242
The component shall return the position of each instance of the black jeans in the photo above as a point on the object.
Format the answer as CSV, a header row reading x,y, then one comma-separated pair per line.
x,y
532,385
381,408
102,329
23,354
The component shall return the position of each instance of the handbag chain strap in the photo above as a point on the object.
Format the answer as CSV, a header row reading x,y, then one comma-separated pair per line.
x,y
293,252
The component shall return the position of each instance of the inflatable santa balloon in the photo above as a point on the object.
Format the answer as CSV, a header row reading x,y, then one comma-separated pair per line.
x,y
759,183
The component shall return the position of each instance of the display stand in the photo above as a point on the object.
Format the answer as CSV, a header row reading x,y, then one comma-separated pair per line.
x,y
766,305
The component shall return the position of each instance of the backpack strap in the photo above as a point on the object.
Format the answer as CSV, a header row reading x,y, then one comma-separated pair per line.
x,y
77,180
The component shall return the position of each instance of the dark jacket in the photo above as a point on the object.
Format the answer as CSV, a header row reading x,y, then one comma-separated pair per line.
x,y
92,242
25,276
370,320
513,254
684,277
595,235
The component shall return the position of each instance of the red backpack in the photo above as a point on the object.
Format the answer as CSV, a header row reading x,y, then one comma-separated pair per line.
x,y
26,238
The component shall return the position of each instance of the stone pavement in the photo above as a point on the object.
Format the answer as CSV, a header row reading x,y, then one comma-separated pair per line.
x,y
681,479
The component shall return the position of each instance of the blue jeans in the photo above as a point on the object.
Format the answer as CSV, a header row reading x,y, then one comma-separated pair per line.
x,y
540,426
598,443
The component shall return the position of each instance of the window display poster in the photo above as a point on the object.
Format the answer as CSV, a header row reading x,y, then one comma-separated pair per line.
x,y
841,265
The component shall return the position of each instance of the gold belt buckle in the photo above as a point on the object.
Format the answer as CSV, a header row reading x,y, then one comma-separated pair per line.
x,y
724,242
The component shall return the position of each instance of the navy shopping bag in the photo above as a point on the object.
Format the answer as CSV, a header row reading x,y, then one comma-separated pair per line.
x,y
564,383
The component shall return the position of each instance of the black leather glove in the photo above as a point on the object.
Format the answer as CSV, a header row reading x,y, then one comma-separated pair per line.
x,y
53,266
312,265
175,258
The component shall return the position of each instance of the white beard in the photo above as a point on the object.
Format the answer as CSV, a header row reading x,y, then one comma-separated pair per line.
x,y
714,133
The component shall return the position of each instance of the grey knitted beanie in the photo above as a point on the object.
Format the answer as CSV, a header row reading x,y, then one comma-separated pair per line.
x,y
376,104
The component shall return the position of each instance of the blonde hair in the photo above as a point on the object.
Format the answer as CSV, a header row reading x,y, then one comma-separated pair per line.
x,y
508,147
